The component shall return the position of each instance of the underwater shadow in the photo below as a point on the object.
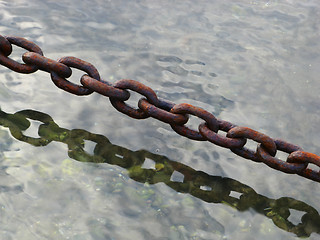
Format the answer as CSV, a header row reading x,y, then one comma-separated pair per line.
x,y
147,167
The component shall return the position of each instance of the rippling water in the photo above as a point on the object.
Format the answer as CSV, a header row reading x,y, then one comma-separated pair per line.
x,y
254,63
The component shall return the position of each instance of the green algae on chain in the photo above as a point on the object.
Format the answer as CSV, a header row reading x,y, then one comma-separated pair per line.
x,y
211,189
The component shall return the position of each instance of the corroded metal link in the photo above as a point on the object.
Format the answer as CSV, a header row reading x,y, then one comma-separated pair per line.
x,y
24,43
162,115
303,157
129,111
185,108
165,104
310,174
244,132
5,46
174,114
278,164
225,125
14,65
47,64
285,146
138,87
70,87
284,166
104,88
220,140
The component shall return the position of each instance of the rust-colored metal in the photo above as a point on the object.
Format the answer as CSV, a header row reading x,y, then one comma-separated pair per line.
x,y
161,114
165,104
5,46
104,88
279,164
47,64
185,108
248,133
12,64
70,87
284,166
220,140
310,174
303,157
138,87
24,43
174,114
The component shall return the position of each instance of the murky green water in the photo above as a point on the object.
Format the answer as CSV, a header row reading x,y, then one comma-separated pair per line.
x,y
103,175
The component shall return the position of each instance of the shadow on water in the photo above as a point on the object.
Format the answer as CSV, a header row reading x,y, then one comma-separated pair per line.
x,y
146,167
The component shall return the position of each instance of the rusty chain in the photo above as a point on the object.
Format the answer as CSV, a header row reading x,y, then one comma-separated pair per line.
x,y
176,115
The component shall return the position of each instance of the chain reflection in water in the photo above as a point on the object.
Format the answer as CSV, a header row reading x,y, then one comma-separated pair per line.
x,y
212,189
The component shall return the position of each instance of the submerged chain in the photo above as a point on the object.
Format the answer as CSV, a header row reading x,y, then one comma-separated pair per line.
x,y
176,115
211,189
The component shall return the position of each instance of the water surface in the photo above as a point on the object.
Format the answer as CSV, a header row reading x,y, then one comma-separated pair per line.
x,y
252,63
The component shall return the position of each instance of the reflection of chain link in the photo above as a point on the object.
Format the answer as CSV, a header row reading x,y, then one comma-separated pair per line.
x,y
151,106
213,189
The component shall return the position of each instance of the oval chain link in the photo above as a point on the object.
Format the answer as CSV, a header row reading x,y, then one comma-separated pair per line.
x,y
162,115
5,46
303,157
219,140
248,133
184,108
12,64
47,64
70,87
138,87
276,163
104,88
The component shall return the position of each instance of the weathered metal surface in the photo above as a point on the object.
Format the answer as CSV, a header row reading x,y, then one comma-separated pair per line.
x,y
5,46
68,86
185,108
248,133
12,64
47,64
220,140
176,115
104,88
138,87
160,114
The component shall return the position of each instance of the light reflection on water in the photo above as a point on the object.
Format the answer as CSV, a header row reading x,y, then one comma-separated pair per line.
x,y
254,64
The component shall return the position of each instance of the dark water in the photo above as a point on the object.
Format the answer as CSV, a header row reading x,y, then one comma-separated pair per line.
x,y
253,63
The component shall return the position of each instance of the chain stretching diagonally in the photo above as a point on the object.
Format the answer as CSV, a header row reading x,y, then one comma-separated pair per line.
x,y
176,115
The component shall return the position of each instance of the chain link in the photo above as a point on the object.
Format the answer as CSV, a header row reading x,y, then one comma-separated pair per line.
x,y
220,140
176,115
47,64
70,87
12,64
184,108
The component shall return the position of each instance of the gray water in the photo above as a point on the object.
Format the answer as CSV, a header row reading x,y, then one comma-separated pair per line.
x,y
253,63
